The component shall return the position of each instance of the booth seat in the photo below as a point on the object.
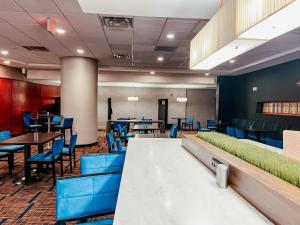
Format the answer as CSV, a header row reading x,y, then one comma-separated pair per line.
x,y
101,163
82,197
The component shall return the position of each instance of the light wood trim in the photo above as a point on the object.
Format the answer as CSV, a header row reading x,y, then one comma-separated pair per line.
x,y
276,199
291,143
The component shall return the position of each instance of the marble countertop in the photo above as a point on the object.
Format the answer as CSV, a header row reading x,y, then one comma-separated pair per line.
x,y
163,184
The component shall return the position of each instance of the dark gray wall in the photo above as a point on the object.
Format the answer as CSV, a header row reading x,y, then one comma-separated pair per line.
x,y
277,83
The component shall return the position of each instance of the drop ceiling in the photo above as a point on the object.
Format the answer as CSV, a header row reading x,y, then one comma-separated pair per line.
x,y
22,23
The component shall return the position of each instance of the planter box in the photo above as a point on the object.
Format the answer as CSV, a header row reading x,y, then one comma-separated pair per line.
x,y
278,200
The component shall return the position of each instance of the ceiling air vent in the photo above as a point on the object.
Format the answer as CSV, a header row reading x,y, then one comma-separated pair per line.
x,y
117,22
165,49
122,56
36,48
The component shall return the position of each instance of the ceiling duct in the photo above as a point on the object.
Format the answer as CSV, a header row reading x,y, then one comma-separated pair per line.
x,y
36,48
117,22
165,48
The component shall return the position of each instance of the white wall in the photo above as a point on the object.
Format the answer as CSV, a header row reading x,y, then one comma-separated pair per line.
x,y
147,105
201,103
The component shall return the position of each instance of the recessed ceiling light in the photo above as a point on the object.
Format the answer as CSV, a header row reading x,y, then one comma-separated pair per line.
x,y
6,62
4,52
160,58
206,74
170,36
80,51
152,72
232,61
60,31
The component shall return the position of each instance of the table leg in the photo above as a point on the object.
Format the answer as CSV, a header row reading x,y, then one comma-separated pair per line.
x,y
179,123
49,125
27,153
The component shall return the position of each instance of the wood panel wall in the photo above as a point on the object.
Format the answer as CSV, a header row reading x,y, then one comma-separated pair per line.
x,y
17,97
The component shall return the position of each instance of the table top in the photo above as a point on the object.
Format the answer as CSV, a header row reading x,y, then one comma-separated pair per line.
x,y
28,139
151,136
172,187
144,127
278,150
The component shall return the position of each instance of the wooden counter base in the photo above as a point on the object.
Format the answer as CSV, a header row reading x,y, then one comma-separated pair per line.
x,y
276,199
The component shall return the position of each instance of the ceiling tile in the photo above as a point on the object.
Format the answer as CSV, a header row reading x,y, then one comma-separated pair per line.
x,y
17,18
69,6
9,6
38,6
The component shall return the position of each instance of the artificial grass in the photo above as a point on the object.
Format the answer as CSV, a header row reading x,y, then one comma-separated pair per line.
x,y
281,166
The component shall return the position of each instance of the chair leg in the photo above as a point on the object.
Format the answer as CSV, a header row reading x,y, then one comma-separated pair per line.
x,y
74,156
13,160
10,164
61,167
53,173
70,159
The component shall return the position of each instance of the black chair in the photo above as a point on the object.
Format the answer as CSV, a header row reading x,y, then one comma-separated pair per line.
x,y
70,151
67,124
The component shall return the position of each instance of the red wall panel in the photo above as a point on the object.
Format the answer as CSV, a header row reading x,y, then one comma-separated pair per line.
x,y
19,105
34,97
5,103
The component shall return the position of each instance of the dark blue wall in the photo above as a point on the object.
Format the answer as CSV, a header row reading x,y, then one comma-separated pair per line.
x,y
277,83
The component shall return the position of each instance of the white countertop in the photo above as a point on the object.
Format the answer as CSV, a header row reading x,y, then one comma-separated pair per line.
x,y
163,184
269,147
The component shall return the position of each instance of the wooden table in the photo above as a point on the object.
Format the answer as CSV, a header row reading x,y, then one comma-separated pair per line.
x,y
145,128
172,187
161,124
29,140
258,131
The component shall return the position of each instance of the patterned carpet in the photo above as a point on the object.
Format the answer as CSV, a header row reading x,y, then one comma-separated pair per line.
x,y
34,203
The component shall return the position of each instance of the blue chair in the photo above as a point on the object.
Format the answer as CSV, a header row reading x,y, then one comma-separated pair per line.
x,y
70,151
212,124
173,132
82,197
120,147
189,124
101,163
50,157
200,129
274,143
99,222
28,126
125,136
4,135
110,140
240,134
56,120
67,124
230,131
10,160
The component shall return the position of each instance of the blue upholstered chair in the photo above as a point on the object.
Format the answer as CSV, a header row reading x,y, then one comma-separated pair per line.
x,y
4,135
274,143
110,140
28,126
173,131
189,124
212,124
120,147
101,163
125,136
50,157
10,161
56,120
240,134
82,197
67,125
200,129
70,151
230,131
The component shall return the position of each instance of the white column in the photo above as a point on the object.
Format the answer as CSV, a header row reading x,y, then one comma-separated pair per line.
x,y
79,85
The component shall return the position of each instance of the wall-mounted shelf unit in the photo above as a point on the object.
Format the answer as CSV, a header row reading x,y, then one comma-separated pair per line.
x,y
284,108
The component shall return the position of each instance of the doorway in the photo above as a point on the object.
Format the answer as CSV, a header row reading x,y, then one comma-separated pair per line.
x,y
163,110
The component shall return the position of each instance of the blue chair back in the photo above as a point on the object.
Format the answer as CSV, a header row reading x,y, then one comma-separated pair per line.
x,y
73,142
119,145
57,147
101,163
125,132
86,196
26,119
68,122
230,131
198,126
173,132
211,124
190,120
4,135
56,119
274,143
240,134
110,140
